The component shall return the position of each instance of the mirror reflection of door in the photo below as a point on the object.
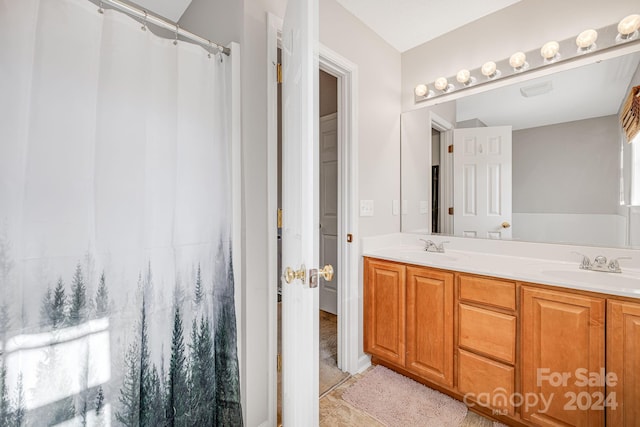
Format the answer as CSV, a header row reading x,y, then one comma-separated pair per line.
x,y
482,182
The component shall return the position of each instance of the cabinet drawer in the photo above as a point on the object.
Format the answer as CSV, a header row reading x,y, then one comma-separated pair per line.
x,y
489,383
488,332
497,293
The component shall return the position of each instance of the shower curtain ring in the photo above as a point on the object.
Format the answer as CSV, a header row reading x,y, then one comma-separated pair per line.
x,y
175,42
144,23
209,50
100,9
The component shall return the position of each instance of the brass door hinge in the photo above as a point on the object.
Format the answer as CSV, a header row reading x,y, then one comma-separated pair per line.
x,y
279,218
279,362
349,238
450,211
450,148
279,73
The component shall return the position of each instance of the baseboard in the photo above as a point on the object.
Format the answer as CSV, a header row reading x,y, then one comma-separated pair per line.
x,y
363,363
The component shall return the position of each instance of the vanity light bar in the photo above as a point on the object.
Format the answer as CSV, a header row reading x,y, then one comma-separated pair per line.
x,y
625,32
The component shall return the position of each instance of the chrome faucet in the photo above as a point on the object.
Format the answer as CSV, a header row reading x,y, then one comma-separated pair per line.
x,y
600,263
431,246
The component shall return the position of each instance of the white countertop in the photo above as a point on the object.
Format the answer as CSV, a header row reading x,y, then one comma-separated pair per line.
x,y
510,260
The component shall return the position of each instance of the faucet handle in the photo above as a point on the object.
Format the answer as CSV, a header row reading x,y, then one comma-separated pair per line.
x,y
614,266
441,245
585,264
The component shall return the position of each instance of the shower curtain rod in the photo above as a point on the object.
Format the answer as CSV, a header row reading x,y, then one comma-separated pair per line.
x,y
175,28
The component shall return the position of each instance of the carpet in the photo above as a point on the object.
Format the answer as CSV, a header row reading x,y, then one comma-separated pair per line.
x,y
398,401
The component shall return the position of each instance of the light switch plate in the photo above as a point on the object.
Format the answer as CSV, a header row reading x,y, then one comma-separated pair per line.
x,y
395,207
366,207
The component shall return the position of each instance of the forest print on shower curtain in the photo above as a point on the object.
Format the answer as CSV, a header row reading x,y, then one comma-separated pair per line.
x,y
117,300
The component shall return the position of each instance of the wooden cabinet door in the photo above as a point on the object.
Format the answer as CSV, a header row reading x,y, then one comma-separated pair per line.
x,y
430,324
384,310
623,360
562,341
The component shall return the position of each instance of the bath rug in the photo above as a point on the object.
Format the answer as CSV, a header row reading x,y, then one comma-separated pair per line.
x,y
398,401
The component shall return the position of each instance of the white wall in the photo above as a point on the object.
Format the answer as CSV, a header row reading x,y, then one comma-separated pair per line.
x,y
378,106
524,26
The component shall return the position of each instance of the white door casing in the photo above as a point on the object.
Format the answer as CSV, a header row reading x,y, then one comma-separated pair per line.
x,y
300,212
482,182
329,210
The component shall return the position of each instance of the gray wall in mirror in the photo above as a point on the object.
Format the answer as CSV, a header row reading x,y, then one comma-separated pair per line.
x,y
566,160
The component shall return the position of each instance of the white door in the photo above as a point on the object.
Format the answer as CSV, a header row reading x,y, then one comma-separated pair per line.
x,y
329,209
482,182
300,213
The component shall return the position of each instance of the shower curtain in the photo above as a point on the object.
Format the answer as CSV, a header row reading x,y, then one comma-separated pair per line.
x,y
116,277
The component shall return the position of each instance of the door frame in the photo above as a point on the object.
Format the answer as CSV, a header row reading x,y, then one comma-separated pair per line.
x,y
446,171
348,292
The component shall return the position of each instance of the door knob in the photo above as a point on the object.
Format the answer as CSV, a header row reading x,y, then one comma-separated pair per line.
x,y
290,274
505,224
326,272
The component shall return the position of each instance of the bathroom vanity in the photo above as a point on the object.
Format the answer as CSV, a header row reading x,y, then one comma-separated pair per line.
x,y
515,330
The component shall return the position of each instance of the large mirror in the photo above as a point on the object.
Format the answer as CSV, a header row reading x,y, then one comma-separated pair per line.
x,y
566,170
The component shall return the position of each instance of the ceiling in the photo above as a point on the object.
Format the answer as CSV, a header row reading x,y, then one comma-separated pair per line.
x,y
405,24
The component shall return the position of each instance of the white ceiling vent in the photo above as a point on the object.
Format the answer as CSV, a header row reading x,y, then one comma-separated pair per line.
x,y
536,89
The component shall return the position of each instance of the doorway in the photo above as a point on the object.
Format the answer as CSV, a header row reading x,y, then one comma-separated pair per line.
x,y
330,373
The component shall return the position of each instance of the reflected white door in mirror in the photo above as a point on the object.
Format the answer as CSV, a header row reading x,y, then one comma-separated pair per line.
x,y
482,182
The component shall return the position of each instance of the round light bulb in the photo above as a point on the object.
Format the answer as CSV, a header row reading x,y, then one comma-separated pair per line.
x,y
421,90
441,83
586,39
549,50
629,25
463,76
489,69
518,60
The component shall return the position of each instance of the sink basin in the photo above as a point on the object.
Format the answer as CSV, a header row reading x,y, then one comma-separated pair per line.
x,y
622,280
